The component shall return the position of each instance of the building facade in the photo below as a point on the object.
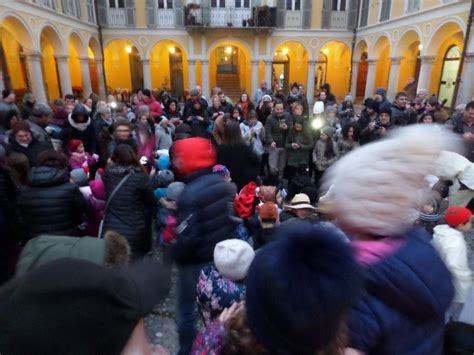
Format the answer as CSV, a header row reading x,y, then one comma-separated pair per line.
x,y
54,47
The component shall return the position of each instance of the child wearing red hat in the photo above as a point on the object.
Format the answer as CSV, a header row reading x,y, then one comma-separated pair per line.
x,y
78,157
449,240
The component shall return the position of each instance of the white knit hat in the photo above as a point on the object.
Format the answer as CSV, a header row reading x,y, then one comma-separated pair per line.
x,y
232,258
376,186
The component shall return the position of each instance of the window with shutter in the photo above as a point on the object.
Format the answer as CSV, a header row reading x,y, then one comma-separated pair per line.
x,y
364,13
413,6
386,8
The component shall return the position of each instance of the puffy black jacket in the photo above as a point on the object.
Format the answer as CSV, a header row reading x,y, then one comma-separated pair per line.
x,y
204,217
50,204
32,151
126,211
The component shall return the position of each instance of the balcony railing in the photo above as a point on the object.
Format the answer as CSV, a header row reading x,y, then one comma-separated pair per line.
x,y
116,17
339,19
47,3
262,16
293,19
166,18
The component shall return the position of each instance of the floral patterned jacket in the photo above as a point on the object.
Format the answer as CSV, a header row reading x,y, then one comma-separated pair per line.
x,y
209,340
215,292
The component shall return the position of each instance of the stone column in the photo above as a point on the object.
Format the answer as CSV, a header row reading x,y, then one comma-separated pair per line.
x,y
355,70
310,82
393,77
146,74
255,85
86,77
466,90
268,73
192,74
425,72
205,77
99,63
64,77
35,75
2,84
369,87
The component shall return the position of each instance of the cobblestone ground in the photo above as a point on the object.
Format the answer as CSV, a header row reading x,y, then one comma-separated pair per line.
x,y
161,324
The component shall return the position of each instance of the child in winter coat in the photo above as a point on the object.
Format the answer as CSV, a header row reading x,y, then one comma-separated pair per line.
x,y
222,285
449,240
166,218
78,157
97,201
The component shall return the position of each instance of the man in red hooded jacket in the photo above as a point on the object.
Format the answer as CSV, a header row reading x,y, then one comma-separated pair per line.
x,y
149,100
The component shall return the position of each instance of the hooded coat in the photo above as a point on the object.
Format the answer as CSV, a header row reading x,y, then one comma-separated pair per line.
x,y
452,248
50,204
406,296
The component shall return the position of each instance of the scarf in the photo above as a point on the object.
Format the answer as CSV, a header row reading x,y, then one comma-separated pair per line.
x,y
245,107
79,126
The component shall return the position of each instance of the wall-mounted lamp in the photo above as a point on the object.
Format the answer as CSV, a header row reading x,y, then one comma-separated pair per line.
x,y
284,51
326,51
228,50
172,50
420,47
128,49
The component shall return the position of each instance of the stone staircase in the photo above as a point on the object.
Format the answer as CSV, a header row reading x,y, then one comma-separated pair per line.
x,y
230,84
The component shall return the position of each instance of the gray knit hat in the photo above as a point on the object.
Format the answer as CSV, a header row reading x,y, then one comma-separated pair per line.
x,y
41,110
174,191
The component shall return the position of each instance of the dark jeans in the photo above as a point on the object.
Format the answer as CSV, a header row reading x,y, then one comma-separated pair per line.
x,y
188,276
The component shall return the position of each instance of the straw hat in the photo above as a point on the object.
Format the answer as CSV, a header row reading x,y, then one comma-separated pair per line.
x,y
301,201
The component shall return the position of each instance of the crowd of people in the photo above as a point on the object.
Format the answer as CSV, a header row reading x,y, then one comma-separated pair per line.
x,y
294,229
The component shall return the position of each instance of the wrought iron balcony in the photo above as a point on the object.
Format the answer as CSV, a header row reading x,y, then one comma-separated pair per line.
x,y
234,17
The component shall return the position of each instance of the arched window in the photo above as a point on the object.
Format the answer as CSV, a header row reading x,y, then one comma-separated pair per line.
x,y
448,74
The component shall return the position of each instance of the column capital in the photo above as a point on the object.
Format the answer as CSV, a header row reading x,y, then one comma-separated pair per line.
x,y
83,59
255,62
312,62
396,60
427,58
98,60
268,61
204,62
145,61
469,57
32,55
356,61
61,57
192,61
372,61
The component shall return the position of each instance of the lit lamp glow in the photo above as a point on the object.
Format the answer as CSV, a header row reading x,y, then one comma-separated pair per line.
x,y
172,50
420,47
326,51
284,51
228,50
128,49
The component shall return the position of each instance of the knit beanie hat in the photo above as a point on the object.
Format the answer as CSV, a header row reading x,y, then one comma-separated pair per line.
x,y
163,162
348,98
300,120
193,154
329,131
372,104
331,109
80,177
221,170
244,201
79,299
232,258
456,215
98,189
174,191
163,178
73,144
382,194
143,109
380,91
386,110
300,288
269,211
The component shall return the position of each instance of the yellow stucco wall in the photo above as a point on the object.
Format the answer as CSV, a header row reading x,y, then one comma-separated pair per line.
x,y
12,57
316,14
382,69
428,4
140,13
50,77
74,67
374,10
407,66
117,65
338,68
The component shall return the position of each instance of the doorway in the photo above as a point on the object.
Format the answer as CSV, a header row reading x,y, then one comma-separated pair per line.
x,y
136,70
281,73
449,74
176,71
227,60
362,75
